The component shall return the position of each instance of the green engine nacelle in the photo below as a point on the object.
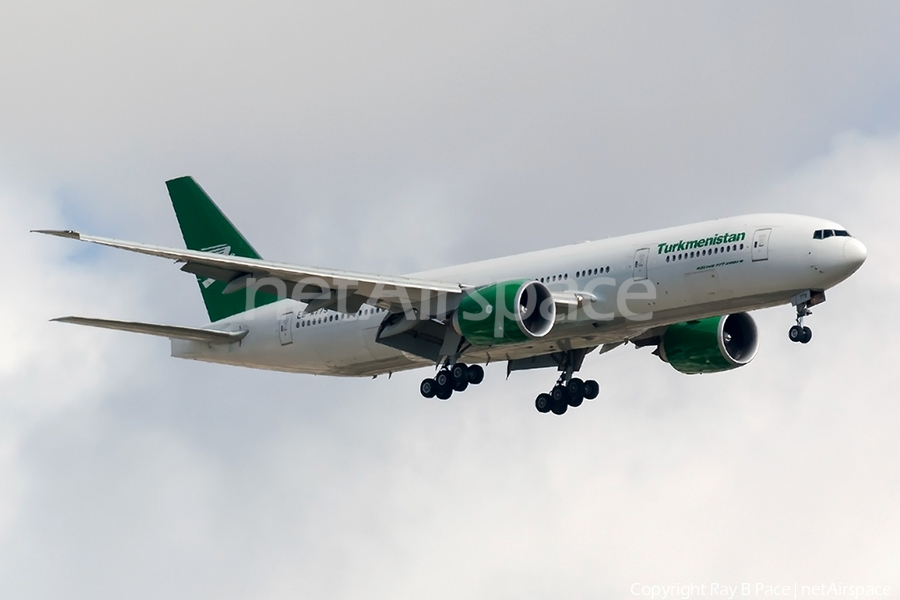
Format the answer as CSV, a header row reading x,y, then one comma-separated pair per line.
x,y
509,312
710,345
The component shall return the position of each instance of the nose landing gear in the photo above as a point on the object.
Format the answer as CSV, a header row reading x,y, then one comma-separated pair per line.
x,y
799,333
455,379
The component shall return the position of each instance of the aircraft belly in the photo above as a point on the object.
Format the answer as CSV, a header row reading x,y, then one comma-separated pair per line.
x,y
393,359
351,350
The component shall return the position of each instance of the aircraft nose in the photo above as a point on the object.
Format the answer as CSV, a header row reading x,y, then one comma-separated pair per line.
x,y
855,253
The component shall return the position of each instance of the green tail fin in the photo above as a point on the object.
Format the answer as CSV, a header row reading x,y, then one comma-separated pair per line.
x,y
205,228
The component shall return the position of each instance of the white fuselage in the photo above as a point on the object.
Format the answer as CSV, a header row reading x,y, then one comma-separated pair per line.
x,y
692,270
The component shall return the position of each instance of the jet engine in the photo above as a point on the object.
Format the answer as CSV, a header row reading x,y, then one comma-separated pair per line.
x,y
710,345
508,312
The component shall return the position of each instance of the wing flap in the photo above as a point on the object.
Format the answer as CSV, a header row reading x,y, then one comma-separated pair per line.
x,y
193,334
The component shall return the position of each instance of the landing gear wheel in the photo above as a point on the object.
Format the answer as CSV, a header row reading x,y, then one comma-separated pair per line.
x,y
559,395
443,379
543,403
559,407
559,400
444,392
476,374
460,385
591,389
428,388
807,335
459,372
795,333
575,388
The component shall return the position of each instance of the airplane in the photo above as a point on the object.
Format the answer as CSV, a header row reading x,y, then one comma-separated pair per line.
x,y
685,291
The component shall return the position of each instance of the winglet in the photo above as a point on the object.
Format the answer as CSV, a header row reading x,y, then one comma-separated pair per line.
x,y
63,233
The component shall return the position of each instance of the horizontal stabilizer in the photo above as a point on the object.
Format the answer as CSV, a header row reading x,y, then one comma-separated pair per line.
x,y
193,334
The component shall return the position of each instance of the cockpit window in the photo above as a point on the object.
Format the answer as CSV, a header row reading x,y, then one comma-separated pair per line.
x,y
821,234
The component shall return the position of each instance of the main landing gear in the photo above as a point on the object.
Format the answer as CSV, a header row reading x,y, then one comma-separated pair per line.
x,y
454,379
567,393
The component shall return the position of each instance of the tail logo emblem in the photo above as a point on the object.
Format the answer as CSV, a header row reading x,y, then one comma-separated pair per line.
x,y
217,249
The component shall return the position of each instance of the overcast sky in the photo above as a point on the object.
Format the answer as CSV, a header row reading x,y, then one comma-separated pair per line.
x,y
400,136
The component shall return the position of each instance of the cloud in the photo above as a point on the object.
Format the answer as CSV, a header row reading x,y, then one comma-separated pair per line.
x,y
184,479
404,137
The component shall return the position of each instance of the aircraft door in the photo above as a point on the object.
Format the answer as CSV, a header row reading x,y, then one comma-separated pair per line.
x,y
640,263
760,249
284,328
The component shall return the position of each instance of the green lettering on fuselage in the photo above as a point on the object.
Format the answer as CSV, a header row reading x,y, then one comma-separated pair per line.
x,y
713,240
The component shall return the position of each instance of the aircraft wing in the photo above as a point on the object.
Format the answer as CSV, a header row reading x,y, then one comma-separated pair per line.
x,y
319,286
